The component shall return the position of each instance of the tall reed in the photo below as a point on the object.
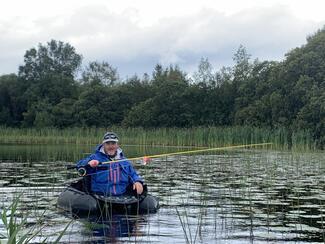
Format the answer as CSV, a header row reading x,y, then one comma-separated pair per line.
x,y
198,136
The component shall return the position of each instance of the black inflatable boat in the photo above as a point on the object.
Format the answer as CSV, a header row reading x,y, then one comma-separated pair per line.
x,y
77,200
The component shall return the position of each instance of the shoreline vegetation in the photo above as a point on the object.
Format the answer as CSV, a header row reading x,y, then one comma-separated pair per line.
x,y
283,139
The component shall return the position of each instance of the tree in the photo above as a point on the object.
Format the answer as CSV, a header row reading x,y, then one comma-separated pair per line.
x,y
171,73
312,115
87,108
48,75
242,66
204,75
54,58
39,115
100,73
12,103
63,113
49,71
166,109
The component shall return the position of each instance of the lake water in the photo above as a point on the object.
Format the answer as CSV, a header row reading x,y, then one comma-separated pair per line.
x,y
234,196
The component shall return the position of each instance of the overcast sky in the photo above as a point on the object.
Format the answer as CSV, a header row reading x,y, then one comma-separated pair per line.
x,y
134,35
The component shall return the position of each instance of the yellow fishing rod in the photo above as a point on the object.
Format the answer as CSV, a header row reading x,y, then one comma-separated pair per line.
x,y
82,171
187,152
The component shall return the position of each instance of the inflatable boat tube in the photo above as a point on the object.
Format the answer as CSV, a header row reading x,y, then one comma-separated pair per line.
x,y
74,199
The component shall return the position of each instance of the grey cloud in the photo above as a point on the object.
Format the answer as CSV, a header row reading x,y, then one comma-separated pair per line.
x,y
99,34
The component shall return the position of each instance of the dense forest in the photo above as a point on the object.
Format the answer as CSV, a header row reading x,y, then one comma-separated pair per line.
x,y
53,89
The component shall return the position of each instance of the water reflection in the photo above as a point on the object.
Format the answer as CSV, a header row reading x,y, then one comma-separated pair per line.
x,y
111,228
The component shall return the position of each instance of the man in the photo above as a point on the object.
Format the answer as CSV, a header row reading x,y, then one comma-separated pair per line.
x,y
111,178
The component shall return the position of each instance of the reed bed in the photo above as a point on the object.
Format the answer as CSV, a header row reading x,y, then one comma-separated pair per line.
x,y
198,137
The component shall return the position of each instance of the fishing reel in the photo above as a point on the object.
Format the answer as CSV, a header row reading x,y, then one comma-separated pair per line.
x,y
82,171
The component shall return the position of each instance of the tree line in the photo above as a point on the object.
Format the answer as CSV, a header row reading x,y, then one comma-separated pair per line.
x,y
51,89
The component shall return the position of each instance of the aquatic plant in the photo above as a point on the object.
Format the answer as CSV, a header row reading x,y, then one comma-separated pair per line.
x,y
15,227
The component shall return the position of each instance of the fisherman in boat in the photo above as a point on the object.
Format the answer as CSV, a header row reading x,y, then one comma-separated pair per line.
x,y
110,179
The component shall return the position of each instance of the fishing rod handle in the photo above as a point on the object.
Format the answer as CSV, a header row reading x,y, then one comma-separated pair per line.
x,y
71,167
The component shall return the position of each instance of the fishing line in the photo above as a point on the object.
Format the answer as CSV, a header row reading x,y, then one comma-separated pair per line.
x,y
187,152
83,172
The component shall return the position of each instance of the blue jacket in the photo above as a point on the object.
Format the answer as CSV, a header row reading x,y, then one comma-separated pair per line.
x,y
110,179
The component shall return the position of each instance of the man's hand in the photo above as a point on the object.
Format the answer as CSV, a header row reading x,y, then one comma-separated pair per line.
x,y
138,187
93,163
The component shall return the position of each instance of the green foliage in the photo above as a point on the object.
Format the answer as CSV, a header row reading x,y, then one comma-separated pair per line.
x,y
63,113
17,233
54,58
266,94
166,109
46,78
100,73
204,75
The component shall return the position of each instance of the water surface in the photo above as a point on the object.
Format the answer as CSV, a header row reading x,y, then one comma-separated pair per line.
x,y
222,197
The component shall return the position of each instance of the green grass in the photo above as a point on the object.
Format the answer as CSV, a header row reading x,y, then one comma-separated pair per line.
x,y
200,136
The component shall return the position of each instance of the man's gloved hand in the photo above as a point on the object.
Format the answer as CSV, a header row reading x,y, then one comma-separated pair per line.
x,y
93,163
138,187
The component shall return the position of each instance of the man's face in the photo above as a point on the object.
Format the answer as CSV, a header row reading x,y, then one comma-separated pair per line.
x,y
110,148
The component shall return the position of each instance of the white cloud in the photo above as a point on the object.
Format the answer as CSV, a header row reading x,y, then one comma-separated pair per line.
x,y
134,40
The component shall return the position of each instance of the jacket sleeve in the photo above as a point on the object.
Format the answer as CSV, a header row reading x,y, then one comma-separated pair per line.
x,y
83,162
135,177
